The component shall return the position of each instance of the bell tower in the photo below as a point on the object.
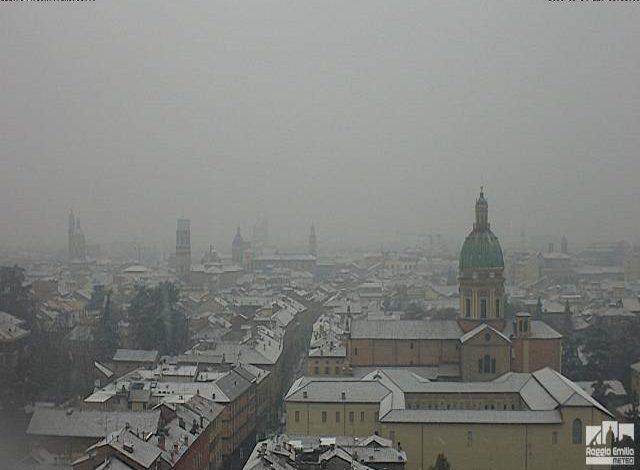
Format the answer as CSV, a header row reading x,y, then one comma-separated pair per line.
x,y
183,247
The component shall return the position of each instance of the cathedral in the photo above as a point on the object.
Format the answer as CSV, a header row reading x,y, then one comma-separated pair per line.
x,y
480,344
77,249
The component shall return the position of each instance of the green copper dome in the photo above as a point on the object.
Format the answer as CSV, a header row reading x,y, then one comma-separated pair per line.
x,y
481,250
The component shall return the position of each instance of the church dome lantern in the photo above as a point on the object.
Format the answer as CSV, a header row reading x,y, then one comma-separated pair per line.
x,y
481,270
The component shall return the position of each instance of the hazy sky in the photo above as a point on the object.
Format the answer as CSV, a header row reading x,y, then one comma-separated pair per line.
x,y
371,118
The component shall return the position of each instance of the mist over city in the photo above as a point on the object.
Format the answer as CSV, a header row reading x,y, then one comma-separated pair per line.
x,y
304,235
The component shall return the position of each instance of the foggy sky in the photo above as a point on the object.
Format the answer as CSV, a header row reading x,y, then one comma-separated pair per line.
x,y
372,119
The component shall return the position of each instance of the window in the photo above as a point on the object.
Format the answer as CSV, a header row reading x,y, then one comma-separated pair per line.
x,y
487,364
469,438
525,325
326,370
576,432
410,345
467,308
355,351
362,416
316,370
337,370
324,416
480,365
493,365
554,437
337,416
297,416
351,417
483,308
497,308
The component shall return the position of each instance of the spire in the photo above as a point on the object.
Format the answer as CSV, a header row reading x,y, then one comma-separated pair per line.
x,y
72,221
482,212
238,240
312,241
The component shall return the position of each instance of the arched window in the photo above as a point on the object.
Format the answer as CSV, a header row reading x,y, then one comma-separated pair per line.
x,y
576,432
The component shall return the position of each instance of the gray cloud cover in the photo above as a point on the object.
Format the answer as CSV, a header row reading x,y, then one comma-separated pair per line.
x,y
371,118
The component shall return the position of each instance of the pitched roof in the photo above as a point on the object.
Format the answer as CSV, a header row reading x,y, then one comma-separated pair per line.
x,y
564,391
91,424
537,330
233,384
480,328
132,447
135,355
10,327
331,391
405,329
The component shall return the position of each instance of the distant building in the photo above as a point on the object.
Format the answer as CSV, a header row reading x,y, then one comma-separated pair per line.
x,y
632,266
126,360
183,247
77,247
481,344
238,249
294,262
211,258
548,268
69,432
313,243
605,253
400,264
